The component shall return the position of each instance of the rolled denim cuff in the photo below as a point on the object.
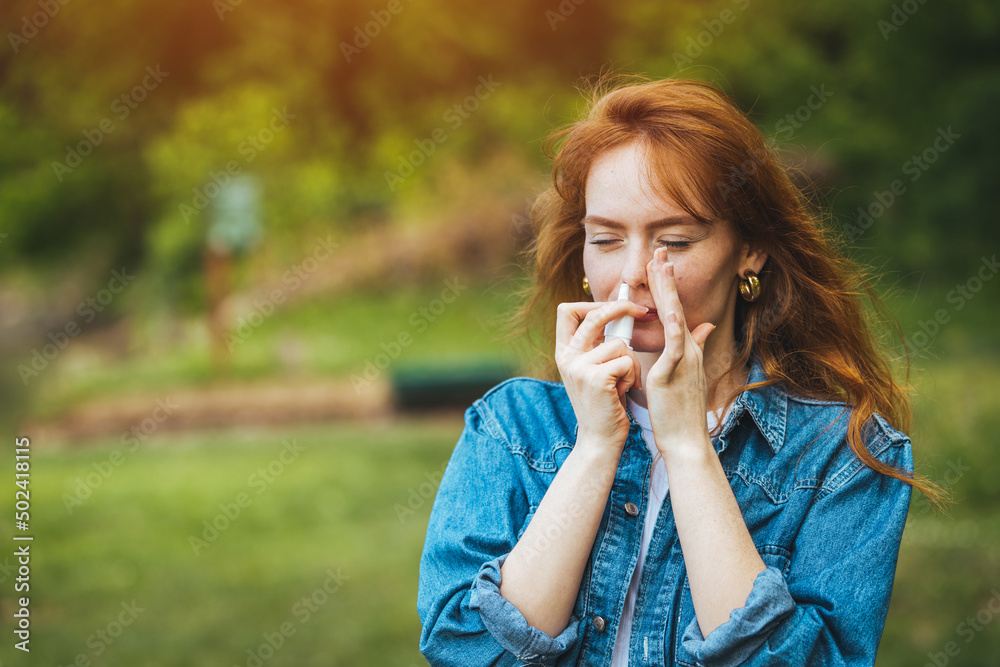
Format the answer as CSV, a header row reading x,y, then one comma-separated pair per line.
x,y
508,625
748,627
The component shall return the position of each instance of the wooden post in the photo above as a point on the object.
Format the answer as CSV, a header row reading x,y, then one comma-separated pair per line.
x,y
217,282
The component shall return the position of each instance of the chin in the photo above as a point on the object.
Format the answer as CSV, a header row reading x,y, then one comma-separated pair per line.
x,y
647,344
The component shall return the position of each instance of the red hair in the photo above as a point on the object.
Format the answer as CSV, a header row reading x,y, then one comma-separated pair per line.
x,y
808,328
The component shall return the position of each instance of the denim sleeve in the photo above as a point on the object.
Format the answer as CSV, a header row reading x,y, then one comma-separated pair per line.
x,y
479,508
830,608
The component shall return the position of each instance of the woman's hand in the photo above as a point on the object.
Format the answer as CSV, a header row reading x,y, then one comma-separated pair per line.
x,y
597,374
676,390
720,557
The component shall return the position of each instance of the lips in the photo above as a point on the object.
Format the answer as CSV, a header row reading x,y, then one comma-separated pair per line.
x,y
648,317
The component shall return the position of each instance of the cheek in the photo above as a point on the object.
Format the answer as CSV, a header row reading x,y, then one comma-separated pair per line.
x,y
702,293
692,293
692,278
601,274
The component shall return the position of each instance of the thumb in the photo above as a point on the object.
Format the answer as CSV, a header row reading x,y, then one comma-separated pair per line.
x,y
700,334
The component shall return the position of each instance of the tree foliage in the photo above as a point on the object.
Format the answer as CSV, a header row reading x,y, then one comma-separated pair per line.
x,y
366,82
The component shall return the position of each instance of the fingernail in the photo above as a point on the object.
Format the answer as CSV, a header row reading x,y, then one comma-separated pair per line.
x,y
670,269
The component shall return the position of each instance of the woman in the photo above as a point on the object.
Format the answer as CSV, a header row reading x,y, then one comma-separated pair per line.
x,y
752,390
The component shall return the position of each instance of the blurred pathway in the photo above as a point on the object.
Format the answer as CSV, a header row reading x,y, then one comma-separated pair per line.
x,y
265,403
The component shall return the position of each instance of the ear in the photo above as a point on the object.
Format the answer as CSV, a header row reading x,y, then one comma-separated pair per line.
x,y
752,258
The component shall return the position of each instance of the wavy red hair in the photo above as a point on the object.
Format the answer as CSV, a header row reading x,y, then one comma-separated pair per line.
x,y
809,327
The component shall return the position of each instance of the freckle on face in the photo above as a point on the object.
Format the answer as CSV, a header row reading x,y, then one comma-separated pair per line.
x,y
617,189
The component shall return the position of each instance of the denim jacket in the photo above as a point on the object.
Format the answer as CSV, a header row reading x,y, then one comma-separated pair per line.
x,y
827,527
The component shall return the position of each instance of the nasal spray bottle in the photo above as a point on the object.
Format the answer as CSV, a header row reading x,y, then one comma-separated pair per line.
x,y
622,327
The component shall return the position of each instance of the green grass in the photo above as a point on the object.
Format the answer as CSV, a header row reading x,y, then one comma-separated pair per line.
x,y
334,507
949,565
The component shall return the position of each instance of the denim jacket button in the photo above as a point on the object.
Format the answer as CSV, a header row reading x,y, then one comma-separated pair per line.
x,y
631,509
599,624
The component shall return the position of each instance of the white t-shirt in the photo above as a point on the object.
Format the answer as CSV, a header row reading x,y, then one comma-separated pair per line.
x,y
657,493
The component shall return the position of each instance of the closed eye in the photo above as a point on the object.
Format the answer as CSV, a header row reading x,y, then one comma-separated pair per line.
x,y
669,244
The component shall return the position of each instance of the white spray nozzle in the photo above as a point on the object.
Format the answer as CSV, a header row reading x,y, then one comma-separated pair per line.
x,y
622,327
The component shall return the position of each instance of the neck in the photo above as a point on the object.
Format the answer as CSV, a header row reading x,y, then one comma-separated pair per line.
x,y
716,361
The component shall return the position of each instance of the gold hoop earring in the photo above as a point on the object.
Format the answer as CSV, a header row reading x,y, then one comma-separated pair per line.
x,y
750,287
586,287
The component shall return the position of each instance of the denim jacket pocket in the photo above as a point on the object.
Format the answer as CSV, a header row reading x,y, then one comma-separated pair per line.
x,y
773,556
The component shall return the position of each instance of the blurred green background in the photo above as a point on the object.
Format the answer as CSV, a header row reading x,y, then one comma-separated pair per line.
x,y
226,226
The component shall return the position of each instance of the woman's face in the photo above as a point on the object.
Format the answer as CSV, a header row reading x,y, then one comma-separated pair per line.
x,y
626,221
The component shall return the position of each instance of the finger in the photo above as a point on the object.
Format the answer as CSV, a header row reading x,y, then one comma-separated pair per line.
x,y
612,348
636,366
611,373
569,315
580,324
623,371
664,287
701,333
674,339
638,369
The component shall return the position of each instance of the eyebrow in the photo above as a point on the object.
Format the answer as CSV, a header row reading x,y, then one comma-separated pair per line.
x,y
662,222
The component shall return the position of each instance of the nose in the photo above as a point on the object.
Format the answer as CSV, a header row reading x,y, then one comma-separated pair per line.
x,y
634,270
